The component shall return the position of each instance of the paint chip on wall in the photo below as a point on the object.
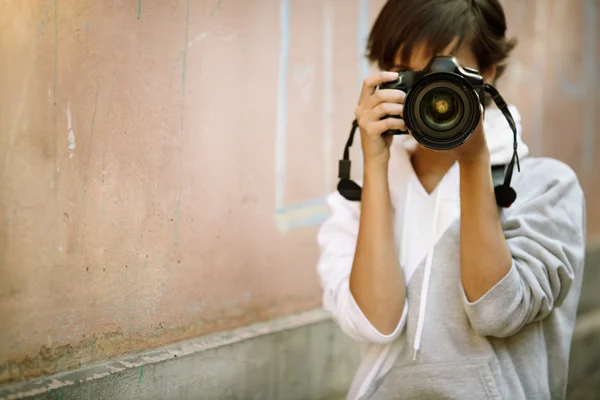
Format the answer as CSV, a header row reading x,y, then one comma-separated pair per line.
x,y
71,132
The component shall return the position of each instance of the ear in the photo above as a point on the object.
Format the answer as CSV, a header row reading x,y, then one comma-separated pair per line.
x,y
489,75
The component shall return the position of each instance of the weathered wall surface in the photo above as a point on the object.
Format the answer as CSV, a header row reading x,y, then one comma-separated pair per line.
x,y
164,163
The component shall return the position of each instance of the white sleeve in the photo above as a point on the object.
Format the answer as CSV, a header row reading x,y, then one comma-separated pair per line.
x,y
337,244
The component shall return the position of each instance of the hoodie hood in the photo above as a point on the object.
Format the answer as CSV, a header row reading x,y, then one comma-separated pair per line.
x,y
499,136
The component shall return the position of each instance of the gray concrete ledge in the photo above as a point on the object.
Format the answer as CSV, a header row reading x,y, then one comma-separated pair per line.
x,y
303,356
590,296
585,349
588,389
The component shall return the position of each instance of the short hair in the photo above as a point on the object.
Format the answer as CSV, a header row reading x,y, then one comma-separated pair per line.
x,y
403,24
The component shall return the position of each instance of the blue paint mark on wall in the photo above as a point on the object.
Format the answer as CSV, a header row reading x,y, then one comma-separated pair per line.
x,y
300,223
216,9
177,212
280,142
300,206
301,215
55,49
315,211
363,34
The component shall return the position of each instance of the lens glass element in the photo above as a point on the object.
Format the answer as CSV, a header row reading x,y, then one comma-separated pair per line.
x,y
441,109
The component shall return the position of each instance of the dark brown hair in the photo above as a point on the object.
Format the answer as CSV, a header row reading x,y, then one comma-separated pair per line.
x,y
404,24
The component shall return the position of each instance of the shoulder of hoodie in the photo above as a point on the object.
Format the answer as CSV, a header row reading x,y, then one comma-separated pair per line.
x,y
541,173
341,207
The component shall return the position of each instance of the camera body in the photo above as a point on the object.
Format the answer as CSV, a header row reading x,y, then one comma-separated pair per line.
x,y
442,104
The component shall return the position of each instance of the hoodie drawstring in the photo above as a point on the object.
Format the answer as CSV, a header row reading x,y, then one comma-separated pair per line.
x,y
427,273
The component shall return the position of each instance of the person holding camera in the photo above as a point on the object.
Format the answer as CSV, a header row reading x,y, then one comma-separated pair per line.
x,y
458,284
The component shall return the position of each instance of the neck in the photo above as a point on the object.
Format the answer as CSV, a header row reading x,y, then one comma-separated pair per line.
x,y
428,162
430,166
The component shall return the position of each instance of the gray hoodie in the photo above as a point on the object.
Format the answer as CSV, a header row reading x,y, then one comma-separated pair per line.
x,y
513,343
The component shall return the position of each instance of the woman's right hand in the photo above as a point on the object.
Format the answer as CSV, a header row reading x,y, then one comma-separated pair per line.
x,y
374,105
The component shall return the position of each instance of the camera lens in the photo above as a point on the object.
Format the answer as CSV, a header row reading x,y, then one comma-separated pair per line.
x,y
441,109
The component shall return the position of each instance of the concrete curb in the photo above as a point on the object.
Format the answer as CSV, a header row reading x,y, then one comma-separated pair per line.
x,y
590,298
236,364
585,348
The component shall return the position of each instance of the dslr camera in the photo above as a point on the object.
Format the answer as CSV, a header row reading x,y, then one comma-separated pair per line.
x,y
442,104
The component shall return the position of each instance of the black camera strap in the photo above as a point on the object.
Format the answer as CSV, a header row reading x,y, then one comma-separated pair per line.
x,y
505,194
346,186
